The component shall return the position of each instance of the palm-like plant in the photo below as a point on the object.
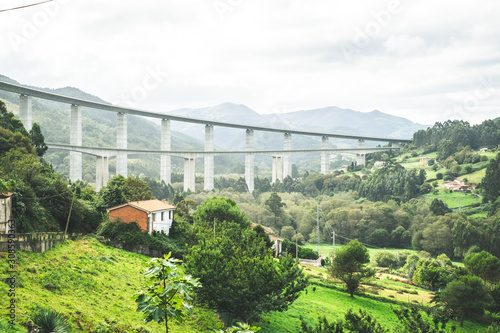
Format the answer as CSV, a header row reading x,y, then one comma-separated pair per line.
x,y
49,320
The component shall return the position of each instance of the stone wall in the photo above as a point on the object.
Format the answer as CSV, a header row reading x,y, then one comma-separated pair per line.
x,y
35,242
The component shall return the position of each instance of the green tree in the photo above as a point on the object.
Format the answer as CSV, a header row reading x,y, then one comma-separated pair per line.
x,y
167,289
9,122
466,296
359,322
349,265
275,205
216,210
37,140
136,190
240,277
484,265
413,321
438,207
429,273
491,180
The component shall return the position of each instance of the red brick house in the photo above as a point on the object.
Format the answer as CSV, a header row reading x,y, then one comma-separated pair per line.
x,y
149,215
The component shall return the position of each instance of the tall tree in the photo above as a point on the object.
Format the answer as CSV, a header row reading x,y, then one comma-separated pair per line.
x,y
37,140
275,205
484,265
239,275
491,180
466,296
350,265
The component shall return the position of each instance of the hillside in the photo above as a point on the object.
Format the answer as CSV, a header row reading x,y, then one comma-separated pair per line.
x,y
93,285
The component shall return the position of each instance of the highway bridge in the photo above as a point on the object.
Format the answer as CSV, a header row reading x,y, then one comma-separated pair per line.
x,y
281,159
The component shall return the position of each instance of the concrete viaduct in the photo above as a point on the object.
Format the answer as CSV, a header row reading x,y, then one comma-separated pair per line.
x,y
282,165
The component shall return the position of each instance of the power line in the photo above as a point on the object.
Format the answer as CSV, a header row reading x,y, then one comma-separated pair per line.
x,y
34,4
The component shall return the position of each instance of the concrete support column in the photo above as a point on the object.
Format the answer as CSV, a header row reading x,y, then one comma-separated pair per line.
x,y
102,172
189,174
325,156
75,139
166,144
277,173
360,160
209,160
26,111
249,161
287,158
121,143
395,145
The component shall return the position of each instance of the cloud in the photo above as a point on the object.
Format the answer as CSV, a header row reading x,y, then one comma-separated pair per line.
x,y
404,45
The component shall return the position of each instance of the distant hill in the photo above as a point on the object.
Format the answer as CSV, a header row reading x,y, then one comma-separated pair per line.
x,y
99,129
330,119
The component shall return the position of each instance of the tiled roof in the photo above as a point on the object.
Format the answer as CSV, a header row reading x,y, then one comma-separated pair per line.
x,y
268,230
5,195
147,205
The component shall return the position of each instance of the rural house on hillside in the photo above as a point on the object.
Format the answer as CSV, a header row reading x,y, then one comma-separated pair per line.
x,y
277,242
5,211
149,215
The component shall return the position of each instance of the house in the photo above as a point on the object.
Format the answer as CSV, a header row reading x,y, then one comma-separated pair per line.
x,y
277,242
378,164
458,185
424,160
483,150
5,211
150,215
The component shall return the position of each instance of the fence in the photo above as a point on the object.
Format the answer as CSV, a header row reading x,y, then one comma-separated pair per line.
x,y
35,242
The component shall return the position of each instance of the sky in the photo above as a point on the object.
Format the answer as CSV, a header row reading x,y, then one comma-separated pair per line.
x,y
426,61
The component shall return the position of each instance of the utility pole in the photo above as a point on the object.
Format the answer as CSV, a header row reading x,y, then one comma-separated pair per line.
x,y
296,246
333,242
317,226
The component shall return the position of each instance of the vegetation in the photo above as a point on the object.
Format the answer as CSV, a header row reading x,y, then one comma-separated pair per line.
x,y
349,265
166,292
241,278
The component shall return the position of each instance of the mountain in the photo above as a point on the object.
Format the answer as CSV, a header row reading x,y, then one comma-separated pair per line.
x,y
330,119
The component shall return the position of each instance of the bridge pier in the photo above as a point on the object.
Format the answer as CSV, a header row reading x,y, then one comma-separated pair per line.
x,y
189,174
209,160
287,158
121,143
166,144
325,156
277,172
360,158
102,172
249,161
26,111
75,139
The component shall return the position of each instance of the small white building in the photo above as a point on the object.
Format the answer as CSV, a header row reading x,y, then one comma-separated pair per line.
x,y
5,211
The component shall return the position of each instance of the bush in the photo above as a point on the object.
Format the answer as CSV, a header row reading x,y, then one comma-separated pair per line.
x,y
384,258
306,253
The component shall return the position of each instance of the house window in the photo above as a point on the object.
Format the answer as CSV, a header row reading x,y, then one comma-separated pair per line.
x,y
154,216
162,216
169,214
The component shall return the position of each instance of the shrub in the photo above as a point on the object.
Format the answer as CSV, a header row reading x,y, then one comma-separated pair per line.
x,y
306,253
49,320
384,259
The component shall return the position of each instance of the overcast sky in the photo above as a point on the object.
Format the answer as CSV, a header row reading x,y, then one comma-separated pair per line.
x,y
424,60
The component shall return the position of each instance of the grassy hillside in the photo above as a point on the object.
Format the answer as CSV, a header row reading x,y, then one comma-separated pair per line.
x,y
93,285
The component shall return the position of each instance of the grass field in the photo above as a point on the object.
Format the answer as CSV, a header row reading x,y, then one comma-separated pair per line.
x,y
323,301
454,199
